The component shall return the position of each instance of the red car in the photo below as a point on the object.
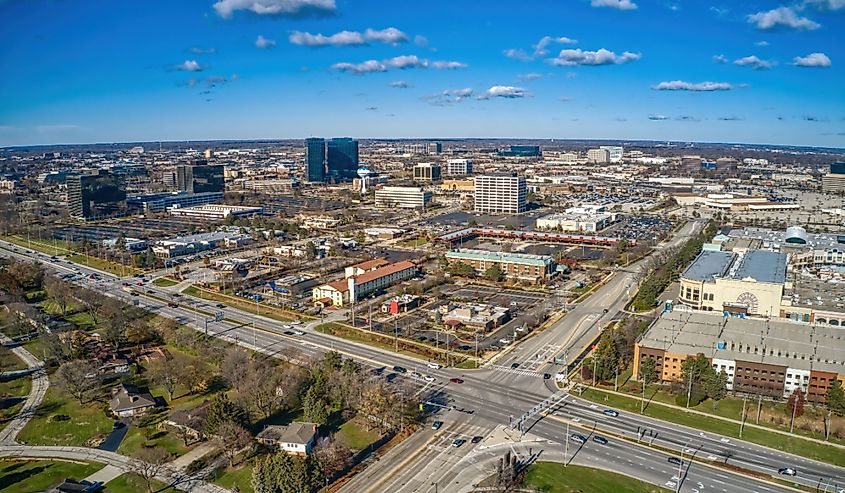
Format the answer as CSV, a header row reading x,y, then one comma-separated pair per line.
x,y
456,380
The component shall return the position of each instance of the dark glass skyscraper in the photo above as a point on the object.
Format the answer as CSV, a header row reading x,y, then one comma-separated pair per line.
x,y
315,149
200,177
101,194
342,158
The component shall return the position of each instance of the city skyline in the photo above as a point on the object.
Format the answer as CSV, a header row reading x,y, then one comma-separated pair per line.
x,y
762,72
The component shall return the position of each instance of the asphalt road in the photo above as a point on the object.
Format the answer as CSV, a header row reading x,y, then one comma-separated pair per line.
x,y
495,395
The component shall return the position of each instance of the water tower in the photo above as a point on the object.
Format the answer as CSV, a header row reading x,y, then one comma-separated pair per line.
x,y
364,173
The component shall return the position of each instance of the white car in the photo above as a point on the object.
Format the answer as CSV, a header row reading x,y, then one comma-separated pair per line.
x,y
298,333
428,378
505,341
435,366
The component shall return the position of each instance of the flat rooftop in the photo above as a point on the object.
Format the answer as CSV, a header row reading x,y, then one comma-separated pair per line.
x,y
709,265
760,265
774,342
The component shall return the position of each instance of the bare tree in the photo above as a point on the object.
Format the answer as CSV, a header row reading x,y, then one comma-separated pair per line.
x,y
165,372
150,462
78,378
60,292
232,438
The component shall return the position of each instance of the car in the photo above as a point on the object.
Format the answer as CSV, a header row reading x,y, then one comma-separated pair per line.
x,y
547,376
787,471
173,305
611,412
118,425
436,425
428,378
456,380
514,366
458,442
504,340
150,291
133,293
435,366
600,440
399,369
288,332
220,305
298,333
578,438
676,461
296,322
476,439
416,374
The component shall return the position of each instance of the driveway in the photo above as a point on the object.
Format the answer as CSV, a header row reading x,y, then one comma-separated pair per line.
x,y
112,442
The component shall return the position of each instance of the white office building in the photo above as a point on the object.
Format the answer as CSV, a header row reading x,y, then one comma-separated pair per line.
x,y
459,167
598,156
500,194
403,197
614,153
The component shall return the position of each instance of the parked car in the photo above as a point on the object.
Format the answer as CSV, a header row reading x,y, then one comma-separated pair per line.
x,y
436,425
399,369
458,442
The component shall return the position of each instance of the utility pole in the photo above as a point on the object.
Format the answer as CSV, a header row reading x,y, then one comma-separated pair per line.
x,y
595,362
642,400
566,450
759,407
742,421
689,389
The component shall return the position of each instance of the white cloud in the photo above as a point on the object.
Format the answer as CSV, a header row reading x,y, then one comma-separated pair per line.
x,y
720,59
189,66
262,42
391,35
343,38
754,62
531,76
420,41
199,50
449,96
517,54
761,43
782,17
540,48
680,85
400,84
398,62
599,57
225,8
812,60
443,64
616,4
507,92
825,5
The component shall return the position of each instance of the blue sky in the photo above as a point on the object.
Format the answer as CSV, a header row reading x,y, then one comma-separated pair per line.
x,y
101,70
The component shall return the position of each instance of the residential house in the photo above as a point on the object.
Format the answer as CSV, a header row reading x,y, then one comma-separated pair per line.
x,y
128,401
296,438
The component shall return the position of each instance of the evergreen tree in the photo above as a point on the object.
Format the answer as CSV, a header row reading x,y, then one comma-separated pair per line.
x,y
314,407
222,410
836,398
606,356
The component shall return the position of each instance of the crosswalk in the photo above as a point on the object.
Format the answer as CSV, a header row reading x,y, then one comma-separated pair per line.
x,y
517,371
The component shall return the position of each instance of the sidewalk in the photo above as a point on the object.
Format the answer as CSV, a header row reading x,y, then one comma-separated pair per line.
x,y
201,450
40,384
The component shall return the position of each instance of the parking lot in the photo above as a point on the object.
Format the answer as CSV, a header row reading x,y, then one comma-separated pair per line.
x,y
651,228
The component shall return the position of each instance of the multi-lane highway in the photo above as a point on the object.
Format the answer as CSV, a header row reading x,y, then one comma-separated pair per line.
x,y
494,396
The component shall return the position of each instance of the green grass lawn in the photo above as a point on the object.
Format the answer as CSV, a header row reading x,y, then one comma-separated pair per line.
x,y
133,483
9,361
102,264
240,476
354,434
137,435
164,282
242,304
552,477
49,428
792,444
50,247
39,476
17,387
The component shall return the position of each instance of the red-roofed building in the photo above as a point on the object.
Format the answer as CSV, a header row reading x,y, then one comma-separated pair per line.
x,y
361,285
358,269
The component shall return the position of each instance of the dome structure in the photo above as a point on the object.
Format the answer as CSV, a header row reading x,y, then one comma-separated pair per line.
x,y
796,235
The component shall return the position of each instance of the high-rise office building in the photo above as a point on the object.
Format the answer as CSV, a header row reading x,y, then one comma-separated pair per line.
x,y
342,158
200,177
500,194
615,153
598,156
459,167
427,172
315,148
101,194
834,182
691,164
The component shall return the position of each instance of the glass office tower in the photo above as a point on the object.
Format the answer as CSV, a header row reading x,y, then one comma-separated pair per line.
x,y
315,149
101,194
200,177
342,158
